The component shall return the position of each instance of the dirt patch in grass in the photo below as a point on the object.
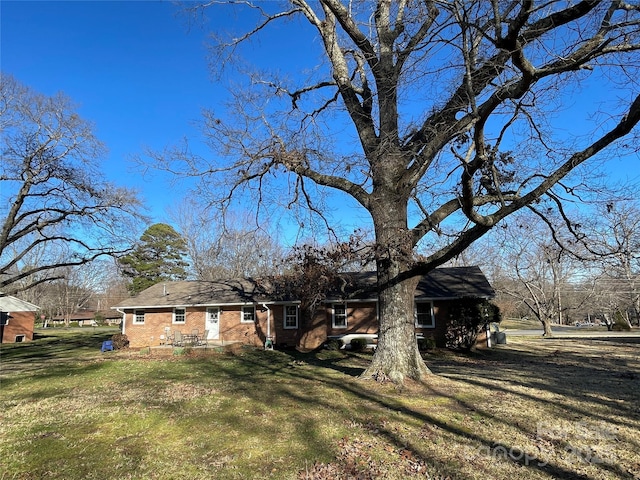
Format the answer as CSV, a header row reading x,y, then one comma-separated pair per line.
x,y
531,409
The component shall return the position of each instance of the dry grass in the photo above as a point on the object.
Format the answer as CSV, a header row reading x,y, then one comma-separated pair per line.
x,y
531,409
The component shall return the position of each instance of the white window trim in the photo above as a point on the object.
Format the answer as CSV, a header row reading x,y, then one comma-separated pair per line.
x,y
173,320
333,316
415,313
242,310
284,317
136,313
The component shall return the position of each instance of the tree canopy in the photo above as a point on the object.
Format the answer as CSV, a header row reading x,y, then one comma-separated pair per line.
x,y
158,256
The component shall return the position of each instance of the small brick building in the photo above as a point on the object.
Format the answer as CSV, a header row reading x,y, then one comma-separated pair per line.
x,y
17,319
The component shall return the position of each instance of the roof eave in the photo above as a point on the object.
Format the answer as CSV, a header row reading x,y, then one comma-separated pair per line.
x,y
211,304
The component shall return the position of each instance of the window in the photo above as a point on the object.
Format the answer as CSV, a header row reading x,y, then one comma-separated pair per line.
x,y
138,316
179,315
339,315
248,314
20,338
424,315
290,316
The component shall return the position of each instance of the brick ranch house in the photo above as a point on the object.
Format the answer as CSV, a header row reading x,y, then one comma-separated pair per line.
x,y
245,311
17,319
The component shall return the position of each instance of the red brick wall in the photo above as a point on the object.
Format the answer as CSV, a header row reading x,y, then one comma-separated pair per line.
x,y
232,329
155,321
313,332
20,323
284,336
441,315
362,317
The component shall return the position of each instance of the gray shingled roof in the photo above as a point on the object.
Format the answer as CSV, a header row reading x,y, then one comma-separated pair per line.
x,y
197,292
441,283
13,304
453,282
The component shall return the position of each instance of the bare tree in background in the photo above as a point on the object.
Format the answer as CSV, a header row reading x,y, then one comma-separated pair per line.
x,y
439,118
230,247
73,292
615,237
52,194
113,287
537,272
77,288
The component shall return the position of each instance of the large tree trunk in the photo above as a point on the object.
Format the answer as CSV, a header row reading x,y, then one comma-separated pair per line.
x,y
546,326
397,356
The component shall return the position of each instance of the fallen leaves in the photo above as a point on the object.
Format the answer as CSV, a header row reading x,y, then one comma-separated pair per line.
x,y
356,461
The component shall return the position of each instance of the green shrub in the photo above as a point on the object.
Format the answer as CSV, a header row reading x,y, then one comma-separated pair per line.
x,y
120,341
466,317
619,323
621,327
358,344
99,319
426,343
334,344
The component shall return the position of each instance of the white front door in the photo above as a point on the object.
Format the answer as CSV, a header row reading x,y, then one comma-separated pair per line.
x,y
213,323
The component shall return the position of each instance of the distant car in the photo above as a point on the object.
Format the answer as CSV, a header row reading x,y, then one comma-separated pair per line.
x,y
585,324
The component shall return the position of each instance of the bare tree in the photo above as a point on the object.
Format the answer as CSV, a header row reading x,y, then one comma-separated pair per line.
x,y
437,117
615,236
52,194
65,296
537,271
113,287
551,275
225,247
72,292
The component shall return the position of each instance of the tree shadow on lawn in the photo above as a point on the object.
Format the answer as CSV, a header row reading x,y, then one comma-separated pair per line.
x,y
311,386
56,344
52,354
376,402
586,391
597,373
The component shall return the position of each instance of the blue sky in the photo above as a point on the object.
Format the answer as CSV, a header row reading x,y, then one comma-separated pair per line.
x,y
135,69
139,70
141,74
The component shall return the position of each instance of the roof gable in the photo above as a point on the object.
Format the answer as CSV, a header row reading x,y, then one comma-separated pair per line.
x,y
13,304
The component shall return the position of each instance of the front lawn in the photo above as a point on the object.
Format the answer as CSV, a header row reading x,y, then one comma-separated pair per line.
x,y
531,409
